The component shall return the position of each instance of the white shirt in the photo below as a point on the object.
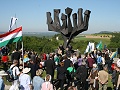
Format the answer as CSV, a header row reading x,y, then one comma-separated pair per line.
x,y
103,61
15,70
73,59
25,81
15,82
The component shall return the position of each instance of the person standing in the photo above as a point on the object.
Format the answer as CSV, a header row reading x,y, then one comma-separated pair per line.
x,y
80,59
47,84
16,73
25,80
16,56
108,62
37,80
2,85
92,77
115,75
56,59
74,60
103,78
90,62
50,66
70,74
5,59
32,56
66,61
61,71
34,67
99,62
81,75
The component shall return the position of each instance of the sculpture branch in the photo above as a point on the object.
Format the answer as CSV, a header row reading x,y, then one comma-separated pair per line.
x,y
66,29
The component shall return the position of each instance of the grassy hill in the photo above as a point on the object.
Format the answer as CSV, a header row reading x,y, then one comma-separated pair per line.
x,y
95,37
104,40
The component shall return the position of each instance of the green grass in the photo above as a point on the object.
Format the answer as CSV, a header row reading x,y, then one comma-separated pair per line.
x,y
105,41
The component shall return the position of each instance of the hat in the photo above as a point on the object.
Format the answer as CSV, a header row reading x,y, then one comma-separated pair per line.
x,y
26,70
118,63
3,73
114,61
39,72
95,65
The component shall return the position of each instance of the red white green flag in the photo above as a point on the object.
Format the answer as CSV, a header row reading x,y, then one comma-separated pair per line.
x,y
11,36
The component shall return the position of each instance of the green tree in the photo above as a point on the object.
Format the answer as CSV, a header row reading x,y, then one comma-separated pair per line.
x,y
114,41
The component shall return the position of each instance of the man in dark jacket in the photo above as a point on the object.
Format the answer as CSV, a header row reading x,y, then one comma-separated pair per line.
x,y
67,62
16,56
50,66
61,75
81,75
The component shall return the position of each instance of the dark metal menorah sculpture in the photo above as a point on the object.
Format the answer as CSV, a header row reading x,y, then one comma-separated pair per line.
x,y
66,29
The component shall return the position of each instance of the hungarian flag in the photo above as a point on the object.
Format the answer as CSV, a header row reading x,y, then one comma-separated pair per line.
x,y
10,37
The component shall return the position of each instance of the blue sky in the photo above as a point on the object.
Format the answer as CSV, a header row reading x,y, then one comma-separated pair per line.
x,y
31,14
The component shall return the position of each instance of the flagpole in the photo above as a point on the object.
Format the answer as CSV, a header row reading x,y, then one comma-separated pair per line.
x,y
22,55
16,27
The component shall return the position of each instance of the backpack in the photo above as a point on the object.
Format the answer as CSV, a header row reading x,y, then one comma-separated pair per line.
x,y
99,60
10,77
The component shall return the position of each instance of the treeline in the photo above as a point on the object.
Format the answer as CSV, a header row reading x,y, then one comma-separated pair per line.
x,y
45,44
115,41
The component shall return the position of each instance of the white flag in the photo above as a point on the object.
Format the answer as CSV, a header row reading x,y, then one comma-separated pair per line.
x,y
12,22
90,47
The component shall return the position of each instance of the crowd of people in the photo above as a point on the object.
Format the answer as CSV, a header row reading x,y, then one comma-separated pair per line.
x,y
73,71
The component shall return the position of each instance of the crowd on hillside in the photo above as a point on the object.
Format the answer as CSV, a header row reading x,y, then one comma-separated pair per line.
x,y
73,71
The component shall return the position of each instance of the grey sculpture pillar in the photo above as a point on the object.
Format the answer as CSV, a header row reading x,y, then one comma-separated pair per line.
x,y
66,29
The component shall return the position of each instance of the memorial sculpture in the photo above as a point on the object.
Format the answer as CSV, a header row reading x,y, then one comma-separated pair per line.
x,y
66,29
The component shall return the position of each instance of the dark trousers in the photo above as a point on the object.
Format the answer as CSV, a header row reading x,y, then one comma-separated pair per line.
x,y
81,86
5,67
61,83
100,67
109,67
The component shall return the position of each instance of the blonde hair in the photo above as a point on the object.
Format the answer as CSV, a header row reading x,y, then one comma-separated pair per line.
x,y
39,72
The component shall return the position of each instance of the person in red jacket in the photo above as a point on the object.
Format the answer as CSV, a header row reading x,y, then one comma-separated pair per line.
x,y
5,59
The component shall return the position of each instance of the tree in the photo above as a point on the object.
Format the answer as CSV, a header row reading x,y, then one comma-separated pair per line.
x,y
114,41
